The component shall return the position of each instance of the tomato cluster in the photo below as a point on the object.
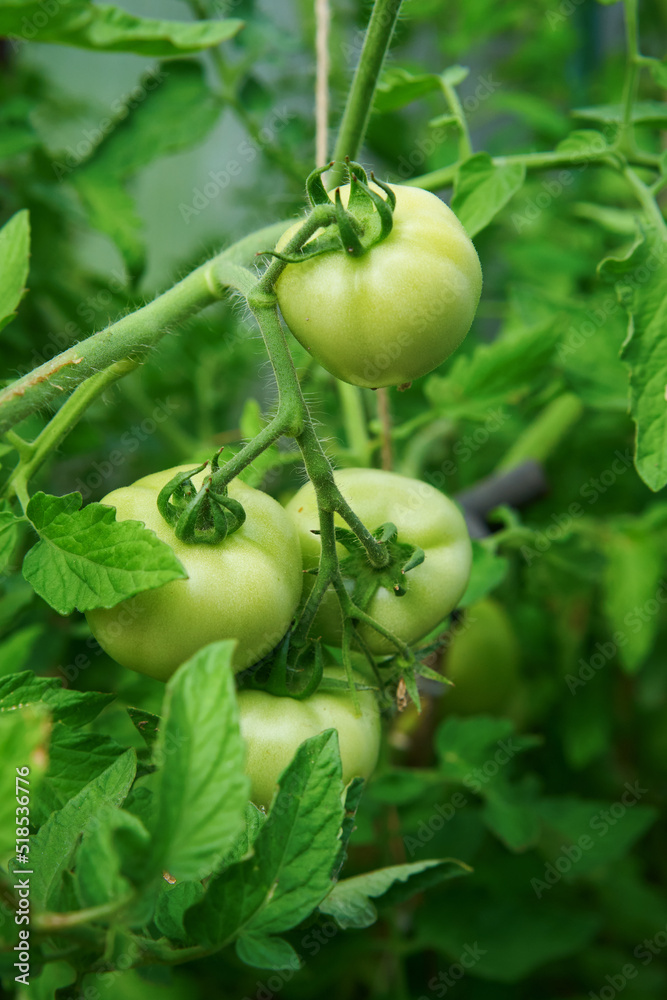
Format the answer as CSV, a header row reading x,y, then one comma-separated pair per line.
x,y
249,586
384,316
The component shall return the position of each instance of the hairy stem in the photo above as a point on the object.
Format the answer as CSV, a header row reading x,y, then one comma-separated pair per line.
x,y
134,334
445,176
455,106
32,455
360,98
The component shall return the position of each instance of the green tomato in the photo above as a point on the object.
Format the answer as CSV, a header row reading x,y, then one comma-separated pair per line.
x,y
424,517
396,312
483,662
246,587
273,729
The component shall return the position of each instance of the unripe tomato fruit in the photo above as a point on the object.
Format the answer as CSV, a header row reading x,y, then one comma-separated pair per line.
x,y
273,729
396,312
246,587
424,517
482,660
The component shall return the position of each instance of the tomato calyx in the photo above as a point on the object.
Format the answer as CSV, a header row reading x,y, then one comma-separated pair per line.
x,y
355,229
204,516
368,578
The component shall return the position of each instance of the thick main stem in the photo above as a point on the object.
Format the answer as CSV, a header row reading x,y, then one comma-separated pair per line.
x,y
134,334
360,98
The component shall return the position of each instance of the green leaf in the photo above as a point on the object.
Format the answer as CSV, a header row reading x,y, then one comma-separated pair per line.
x,y
202,790
53,846
86,559
261,952
488,572
353,795
602,832
75,759
398,87
101,859
24,735
110,29
349,902
658,70
48,980
8,536
16,650
631,582
482,189
112,210
510,813
146,723
295,853
178,111
14,260
477,384
503,936
74,708
584,143
641,284
173,903
649,112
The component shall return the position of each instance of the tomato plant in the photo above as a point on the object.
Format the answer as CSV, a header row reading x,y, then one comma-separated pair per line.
x,y
245,587
424,517
274,727
175,198
395,313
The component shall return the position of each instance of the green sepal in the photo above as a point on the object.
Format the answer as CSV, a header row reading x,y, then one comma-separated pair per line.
x,y
367,220
356,170
384,210
348,229
368,579
206,516
182,489
315,189
391,196
358,202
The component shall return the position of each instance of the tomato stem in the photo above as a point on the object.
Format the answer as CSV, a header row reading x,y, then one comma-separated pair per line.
x,y
360,97
33,454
